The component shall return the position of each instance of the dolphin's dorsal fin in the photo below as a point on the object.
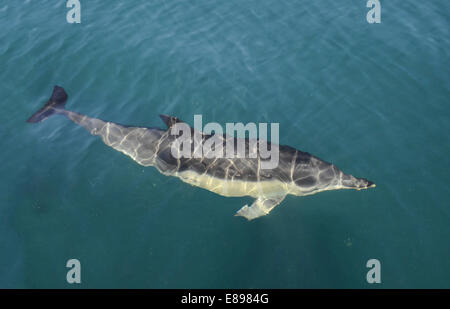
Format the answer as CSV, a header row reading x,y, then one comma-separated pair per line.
x,y
170,120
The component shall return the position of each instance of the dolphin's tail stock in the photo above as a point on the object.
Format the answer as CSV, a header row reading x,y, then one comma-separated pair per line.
x,y
56,103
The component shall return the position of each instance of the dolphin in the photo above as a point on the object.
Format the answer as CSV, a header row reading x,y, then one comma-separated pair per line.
x,y
297,173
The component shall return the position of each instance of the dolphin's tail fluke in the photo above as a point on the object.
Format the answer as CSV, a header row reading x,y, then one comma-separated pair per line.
x,y
56,102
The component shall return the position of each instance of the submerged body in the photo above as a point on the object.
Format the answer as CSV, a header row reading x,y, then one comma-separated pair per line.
x,y
298,173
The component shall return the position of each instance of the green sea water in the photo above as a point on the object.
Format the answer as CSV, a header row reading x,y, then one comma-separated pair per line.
x,y
371,98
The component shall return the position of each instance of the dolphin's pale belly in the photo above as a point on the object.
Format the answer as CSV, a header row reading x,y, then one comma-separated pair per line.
x,y
230,188
235,188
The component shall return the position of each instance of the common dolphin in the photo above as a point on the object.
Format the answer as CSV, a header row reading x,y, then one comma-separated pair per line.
x,y
297,173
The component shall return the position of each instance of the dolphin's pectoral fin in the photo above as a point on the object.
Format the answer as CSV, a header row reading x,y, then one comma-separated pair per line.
x,y
260,207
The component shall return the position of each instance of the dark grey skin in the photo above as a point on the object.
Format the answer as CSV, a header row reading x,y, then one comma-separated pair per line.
x,y
297,173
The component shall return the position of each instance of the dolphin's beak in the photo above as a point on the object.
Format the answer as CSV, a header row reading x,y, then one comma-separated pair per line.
x,y
370,184
351,182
